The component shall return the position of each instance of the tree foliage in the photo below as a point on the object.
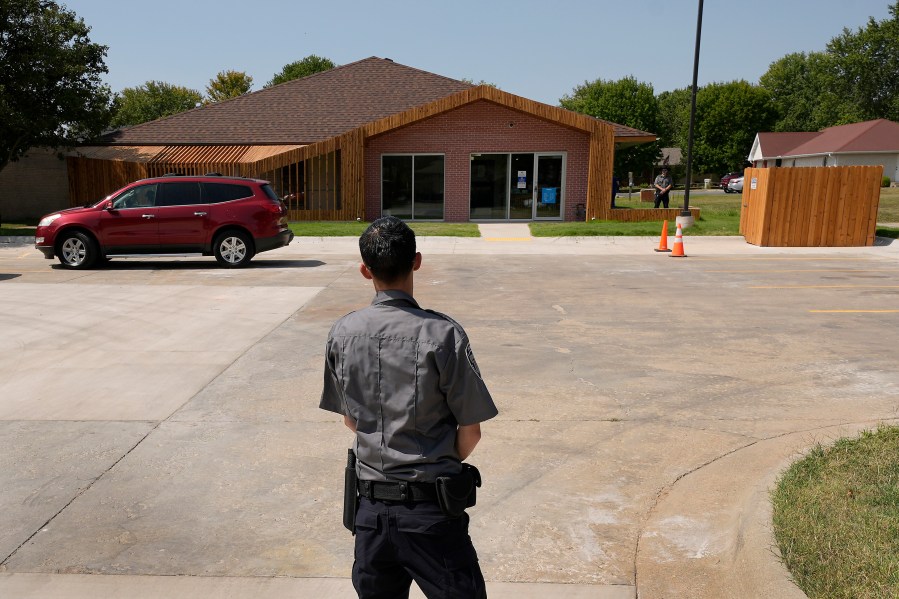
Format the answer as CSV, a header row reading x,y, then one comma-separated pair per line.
x,y
51,92
152,100
866,65
853,80
626,102
674,117
728,116
227,85
302,68
804,92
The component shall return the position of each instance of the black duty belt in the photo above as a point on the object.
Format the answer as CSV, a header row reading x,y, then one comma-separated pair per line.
x,y
397,491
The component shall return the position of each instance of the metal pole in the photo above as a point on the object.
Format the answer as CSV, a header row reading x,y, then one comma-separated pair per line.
x,y
686,211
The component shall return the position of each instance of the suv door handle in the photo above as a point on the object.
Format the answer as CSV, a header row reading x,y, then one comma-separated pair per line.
x,y
199,214
148,215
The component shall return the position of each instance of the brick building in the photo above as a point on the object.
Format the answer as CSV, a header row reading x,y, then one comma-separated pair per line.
x,y
373,138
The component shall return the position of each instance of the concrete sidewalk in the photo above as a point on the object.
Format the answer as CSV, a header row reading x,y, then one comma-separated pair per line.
x,y
162,439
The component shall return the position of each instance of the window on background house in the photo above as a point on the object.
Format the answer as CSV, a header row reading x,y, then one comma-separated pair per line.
x,y
412,186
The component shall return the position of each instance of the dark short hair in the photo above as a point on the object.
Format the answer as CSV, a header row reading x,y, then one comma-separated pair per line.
x,y
388,248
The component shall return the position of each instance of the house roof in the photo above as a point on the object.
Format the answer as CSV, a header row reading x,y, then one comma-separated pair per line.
x,y
301,111
670,157
311,109
879,135
780,144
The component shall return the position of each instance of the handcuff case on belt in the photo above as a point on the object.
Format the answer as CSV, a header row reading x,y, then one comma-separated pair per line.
x,y
457,492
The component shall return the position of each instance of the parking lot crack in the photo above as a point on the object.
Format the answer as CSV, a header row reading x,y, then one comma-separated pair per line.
x,y
81,492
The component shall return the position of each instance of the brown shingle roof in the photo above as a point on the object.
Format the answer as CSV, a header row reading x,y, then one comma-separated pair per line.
x,y
312,109
774,145
301,111
879,135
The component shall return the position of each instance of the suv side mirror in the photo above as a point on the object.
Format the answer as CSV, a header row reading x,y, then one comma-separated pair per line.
x,y
109,206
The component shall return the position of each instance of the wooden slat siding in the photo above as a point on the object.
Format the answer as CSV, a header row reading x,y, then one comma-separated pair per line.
x,y
874,183
92,179
819,195
812,206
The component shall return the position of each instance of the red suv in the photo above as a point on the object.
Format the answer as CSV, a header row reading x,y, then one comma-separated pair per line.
x,y
229,217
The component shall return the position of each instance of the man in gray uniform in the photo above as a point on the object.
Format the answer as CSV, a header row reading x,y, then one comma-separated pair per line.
x,y
407,384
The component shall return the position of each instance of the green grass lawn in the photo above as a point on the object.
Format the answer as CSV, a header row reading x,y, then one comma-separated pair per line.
x,y
355,228
836,518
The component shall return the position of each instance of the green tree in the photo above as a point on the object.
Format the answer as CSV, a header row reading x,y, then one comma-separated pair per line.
x,y
674,117
481,82
51,93
626,102
151,101
302,68
866,64
227,85
728,116
804,91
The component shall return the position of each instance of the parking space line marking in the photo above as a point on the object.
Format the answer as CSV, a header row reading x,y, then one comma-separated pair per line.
x,y
854,311
792,259
824,287
809,270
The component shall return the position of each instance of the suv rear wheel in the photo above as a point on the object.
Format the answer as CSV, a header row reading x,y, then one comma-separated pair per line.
x,y
233,249
77,250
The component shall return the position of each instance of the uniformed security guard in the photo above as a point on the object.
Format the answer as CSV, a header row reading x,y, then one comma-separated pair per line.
x,y
406,382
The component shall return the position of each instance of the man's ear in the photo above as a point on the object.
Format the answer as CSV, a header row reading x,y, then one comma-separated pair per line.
x,y
365,272
416,263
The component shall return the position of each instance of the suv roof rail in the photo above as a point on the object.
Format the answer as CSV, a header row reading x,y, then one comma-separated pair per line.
x,y
213,175
173,175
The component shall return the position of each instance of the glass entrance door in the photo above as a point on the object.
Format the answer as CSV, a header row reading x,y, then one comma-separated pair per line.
x,y
521,187
549,186
525,186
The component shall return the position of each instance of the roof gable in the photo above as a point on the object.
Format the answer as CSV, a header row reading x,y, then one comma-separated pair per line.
x,y
301,111
879,135
772,145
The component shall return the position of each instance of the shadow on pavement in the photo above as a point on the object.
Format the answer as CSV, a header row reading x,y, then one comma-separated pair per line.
x,y
143,264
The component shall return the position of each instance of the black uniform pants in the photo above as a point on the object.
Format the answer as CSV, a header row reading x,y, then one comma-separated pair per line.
x,y
661,198
397,543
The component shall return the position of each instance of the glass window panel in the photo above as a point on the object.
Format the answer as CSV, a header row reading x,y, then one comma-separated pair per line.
x,y
216,193
428,184
138,197
396,186
488,186
178,194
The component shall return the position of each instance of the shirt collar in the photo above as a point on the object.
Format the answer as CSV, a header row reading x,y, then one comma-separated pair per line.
x,y
394,295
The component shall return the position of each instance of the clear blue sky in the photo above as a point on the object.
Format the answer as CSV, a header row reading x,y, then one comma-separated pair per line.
x,y
539,50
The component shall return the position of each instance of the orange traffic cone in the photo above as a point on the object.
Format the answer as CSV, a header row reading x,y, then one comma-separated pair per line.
x,y
663,240
678,244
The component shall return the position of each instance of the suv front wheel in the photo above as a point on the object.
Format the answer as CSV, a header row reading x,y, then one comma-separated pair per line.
x,y
77,250
233,249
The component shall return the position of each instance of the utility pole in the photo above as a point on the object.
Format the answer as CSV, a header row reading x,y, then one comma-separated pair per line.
x,y
685,214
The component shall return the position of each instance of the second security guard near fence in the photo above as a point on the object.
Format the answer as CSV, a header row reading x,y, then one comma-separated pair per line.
x,y
406,382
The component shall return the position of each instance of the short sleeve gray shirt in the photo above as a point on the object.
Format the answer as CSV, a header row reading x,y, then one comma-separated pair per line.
x,y
408,378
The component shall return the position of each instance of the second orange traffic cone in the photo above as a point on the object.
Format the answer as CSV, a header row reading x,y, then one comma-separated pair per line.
x,y
678,244
663,240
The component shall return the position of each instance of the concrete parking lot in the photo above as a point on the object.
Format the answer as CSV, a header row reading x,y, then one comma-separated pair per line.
x,y
160,433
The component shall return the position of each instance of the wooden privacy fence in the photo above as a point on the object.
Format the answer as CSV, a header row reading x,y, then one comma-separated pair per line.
x,y
823,206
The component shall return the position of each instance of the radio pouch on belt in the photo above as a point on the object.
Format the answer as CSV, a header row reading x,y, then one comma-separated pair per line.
x,y
350,493
457,492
